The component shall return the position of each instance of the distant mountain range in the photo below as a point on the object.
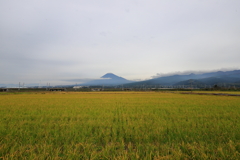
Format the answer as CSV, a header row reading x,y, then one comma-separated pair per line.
x,y
198,80
213,78
220,78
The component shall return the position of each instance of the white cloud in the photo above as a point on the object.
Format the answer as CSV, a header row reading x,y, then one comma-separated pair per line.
x,y
194,72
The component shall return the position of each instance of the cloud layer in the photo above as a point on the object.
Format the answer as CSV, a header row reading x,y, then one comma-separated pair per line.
x,y
54,40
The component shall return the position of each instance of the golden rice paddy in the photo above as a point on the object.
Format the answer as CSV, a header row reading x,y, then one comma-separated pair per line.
x,y
119,125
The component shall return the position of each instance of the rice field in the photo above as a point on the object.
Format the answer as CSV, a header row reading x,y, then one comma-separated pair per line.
x,y
119,125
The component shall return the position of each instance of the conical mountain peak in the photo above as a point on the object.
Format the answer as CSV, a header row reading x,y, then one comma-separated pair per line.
x,y
109,79
111,75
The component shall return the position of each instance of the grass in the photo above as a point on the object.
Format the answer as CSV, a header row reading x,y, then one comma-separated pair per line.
x,y
119,125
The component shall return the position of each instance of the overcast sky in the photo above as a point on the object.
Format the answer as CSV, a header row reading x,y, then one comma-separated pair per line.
x,y
57,40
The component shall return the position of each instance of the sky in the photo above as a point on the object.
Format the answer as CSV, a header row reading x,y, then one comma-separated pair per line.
x,y
55,41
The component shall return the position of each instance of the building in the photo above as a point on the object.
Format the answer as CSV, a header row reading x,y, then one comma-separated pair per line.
x,y
57,89
96,89
3,89
77,87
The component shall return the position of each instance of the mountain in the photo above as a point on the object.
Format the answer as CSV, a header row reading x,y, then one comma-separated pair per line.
x,y
108,79
217,80
190,82
112,76
212,78
168,80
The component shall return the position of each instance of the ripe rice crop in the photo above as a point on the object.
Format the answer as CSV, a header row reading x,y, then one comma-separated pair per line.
x,y
119,125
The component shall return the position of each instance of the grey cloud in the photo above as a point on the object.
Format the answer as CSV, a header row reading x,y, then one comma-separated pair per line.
x,y
77,39
82,80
